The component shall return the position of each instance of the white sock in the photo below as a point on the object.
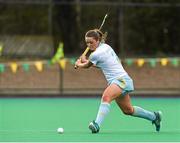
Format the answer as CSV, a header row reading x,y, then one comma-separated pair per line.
x,y
104,109
142,113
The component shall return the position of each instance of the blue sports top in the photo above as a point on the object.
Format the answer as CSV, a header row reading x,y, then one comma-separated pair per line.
x,y
106,59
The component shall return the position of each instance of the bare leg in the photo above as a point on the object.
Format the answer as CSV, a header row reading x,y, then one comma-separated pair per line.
x,y
110,93
125,105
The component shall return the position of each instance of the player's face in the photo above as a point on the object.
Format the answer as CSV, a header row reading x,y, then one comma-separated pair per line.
x,y
92,43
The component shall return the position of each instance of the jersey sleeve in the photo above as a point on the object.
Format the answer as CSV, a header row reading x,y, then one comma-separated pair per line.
x,y
93,58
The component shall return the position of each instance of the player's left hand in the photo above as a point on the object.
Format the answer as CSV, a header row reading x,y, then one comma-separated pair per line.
x,y
83,59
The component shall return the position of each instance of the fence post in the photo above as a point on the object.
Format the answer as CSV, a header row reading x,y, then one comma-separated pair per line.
x,y
61,80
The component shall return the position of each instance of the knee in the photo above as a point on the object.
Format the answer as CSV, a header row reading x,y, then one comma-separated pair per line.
x,y
128,111
106,98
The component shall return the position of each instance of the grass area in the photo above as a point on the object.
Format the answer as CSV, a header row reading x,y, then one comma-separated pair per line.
x,y
37,119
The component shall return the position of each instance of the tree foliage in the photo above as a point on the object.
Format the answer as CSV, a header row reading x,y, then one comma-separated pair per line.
x,y
134,28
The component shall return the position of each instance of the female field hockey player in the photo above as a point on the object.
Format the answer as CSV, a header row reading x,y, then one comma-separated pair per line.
x,y
119,82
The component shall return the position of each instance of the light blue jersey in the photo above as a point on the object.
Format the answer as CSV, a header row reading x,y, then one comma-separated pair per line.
x,y
106,59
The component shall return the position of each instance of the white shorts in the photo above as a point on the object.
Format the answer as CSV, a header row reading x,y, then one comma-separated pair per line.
x,y
125,83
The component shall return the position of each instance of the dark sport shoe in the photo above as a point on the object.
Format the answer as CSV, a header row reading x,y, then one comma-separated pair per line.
x,y
157,121
94,127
